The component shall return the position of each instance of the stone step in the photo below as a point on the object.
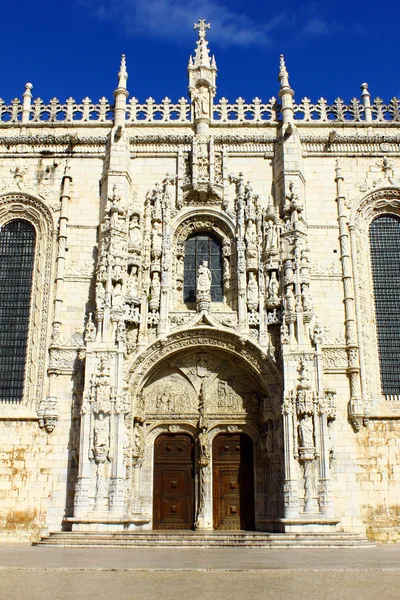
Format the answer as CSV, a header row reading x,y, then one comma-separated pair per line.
x,y
204,540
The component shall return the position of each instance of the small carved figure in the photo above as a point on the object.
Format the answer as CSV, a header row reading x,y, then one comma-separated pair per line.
x,y
100,296
273,287
203,444
135,236
155,286
117,298
157,237
306,432
101,435
133,281
271,234
201,103
204,278
306,298
121,331
252,292
179,268
251,233
290,300
90,330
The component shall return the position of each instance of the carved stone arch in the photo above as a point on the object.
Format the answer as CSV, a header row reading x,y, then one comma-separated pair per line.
x,y
208,221
245,353
383,201
26,207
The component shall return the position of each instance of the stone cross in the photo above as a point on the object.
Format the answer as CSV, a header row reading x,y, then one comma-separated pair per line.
x,y
202,26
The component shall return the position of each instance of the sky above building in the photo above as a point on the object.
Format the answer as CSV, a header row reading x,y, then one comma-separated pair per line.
x,y
74,48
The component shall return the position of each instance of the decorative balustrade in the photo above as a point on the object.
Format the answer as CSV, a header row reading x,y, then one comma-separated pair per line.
x,y
54,112
357,111
166,112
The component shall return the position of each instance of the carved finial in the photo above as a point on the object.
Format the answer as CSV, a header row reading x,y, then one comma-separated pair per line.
x,y
123,74
283,76
202,53
202,26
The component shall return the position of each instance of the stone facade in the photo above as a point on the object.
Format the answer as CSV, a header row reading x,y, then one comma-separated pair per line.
x,y
115,355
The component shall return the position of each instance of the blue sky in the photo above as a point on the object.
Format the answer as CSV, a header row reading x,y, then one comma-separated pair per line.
x,y
73,48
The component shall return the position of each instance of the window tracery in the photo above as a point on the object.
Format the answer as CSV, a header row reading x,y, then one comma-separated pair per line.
x,y
384,236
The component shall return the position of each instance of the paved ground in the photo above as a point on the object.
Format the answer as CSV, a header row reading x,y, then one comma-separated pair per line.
x,y
172,574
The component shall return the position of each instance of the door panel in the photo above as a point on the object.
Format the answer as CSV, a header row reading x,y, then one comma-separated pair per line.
x,y
233,482
173,482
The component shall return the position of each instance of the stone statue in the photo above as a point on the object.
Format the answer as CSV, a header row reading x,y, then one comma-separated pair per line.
x,y
201,103
204,445
100,295
90,330
101,439
250,233
135,236
252,292
290,300
117,298
133,281
204,278
157,237
155,286
306,298
306,432
271,235
273,287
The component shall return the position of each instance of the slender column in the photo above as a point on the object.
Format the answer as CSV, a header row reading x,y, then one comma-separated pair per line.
x,y
118,487
356,410
291,486
366,100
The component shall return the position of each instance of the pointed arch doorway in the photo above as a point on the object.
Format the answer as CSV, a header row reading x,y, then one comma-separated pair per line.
x,y
233,482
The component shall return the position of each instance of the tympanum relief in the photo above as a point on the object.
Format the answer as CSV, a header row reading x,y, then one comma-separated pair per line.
x,y
181,387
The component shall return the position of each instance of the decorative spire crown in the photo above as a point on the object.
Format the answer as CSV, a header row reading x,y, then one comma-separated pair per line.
x,y
123,74
202,53
283,74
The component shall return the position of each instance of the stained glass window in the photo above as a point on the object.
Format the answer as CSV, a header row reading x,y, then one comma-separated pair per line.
x,y
17,250
198,248
384,237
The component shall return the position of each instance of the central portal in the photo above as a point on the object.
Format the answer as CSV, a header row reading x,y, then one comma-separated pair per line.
x,y
233,482
173,482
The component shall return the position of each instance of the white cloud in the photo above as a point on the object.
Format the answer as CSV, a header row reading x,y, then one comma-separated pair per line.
x,y
173,19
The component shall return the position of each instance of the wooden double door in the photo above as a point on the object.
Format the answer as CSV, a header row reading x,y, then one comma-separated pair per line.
x,y
174,482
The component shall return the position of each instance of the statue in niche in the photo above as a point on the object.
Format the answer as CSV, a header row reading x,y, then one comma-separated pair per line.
x,y
157,237
251,235
155,286
90,330
135,236
306,432
273,287
100,295
101,437
117,298
252,292
138,439
290,300
201,103
202,366
306,298
271,235
204,278
133,281
204,446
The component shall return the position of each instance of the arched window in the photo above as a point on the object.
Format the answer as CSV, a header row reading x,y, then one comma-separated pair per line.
x,y
384,236
17,252
200,247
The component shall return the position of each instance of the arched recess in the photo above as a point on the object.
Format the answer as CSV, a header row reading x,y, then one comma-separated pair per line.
x,y
217,225
200,376
384,201
28,208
